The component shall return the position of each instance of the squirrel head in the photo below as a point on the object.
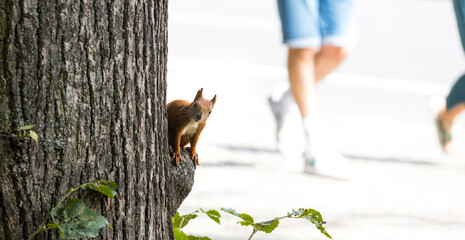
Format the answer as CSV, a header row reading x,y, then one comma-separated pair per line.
x,y
201,108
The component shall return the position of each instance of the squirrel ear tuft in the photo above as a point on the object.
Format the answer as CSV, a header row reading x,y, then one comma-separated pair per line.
x,y
198,95
213,100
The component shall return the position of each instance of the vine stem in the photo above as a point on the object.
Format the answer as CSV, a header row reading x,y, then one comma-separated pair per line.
x,y
67,195
255,230
287,216
42,228
253,233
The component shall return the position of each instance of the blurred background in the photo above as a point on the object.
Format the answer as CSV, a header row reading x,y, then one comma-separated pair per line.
x,y
375,108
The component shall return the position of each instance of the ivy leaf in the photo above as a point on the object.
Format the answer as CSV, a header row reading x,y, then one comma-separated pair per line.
x,y
105,187
213,215
76,220
179,235
176,219
181,221
25,127
247,219
314,217
33,135
230,211
186,218
268,226
298,213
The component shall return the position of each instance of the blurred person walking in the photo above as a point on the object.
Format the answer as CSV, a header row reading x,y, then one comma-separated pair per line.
x,y
319,35
446,110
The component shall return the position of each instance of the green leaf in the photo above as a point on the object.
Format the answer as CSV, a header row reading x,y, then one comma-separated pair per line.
x,y
176,219
179,235
268,226
213,215
105,187
25,127
76,220
314,217
186,218
230,211
181,221
298,213
33,135
247,219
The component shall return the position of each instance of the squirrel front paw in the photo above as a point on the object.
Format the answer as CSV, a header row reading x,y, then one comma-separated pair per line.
x,y
195,159
177,157
195,156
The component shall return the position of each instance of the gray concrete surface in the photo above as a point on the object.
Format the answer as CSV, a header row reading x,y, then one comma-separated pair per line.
x,y
375,109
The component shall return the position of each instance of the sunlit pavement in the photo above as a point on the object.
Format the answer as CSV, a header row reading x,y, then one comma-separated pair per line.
x,y
375,110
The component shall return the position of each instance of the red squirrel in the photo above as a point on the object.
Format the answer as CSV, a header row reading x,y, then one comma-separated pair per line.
x,y
185,123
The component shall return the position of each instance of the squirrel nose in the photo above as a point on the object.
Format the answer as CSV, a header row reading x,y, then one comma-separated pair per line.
x,y
198,117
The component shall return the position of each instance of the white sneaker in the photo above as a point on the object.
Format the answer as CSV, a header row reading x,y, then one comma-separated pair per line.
x,y
327,163
289,132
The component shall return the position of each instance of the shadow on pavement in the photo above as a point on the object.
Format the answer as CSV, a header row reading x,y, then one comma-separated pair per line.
x,y
227,163
245,148
393,160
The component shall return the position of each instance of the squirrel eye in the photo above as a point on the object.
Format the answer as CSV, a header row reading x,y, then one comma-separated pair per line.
x,y
195,104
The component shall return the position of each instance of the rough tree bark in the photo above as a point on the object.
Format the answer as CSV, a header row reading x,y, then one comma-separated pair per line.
x,y
91,75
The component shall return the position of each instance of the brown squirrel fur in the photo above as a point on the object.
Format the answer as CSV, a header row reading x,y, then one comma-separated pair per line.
x,y
185,123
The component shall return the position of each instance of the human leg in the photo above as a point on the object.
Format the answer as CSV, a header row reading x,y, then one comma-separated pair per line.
x,y
446,110
308,60
327,59
304,22
337,22
301,70
301,33
336,29
450,114
306,67
337,32
451,108
455,101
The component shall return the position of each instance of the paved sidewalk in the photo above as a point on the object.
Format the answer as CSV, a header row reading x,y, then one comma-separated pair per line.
x,y
403,186
375,109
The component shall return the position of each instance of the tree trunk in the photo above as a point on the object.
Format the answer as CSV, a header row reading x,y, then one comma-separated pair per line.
x,y
91,75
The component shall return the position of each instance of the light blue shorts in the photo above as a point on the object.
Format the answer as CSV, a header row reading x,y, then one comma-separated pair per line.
x,y
312,23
